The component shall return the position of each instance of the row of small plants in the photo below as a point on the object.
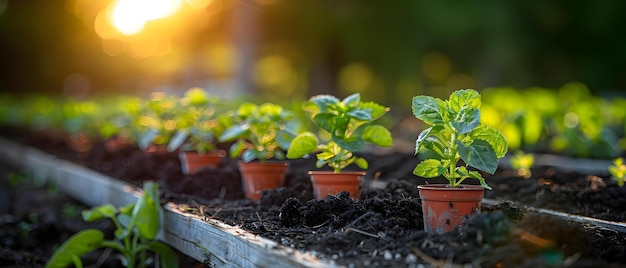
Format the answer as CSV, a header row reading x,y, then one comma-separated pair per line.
x,y
568,120
462,147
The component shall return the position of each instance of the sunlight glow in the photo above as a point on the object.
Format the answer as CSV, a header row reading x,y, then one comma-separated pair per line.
x,y
130,16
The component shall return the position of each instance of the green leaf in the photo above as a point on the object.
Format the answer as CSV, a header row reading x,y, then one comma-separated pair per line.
x,y
352,100
361,114
376,110
302,145
105,211
352,144
235,132
323,102
246,109
479,155
378,135
361,162
493,136
74,247
466,121
429,168
177,140
147,138
236,149
464,108
464,99
251,154
324,121
428,109
146,212
166,254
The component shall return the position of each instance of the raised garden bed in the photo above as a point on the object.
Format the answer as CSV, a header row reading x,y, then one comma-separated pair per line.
x,y
383,228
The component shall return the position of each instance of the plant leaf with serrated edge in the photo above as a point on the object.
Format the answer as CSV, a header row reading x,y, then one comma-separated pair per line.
x,y
429,168
430,110
352,101
323,102
493,136
464,109
376,110
324,121
479,155
361,114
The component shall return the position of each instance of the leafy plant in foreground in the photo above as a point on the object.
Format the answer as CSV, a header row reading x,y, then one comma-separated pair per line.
x,y
455,134
618,171
136,228
349,122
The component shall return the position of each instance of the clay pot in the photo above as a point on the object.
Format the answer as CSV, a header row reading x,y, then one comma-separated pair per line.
x,y
192,162
445,207
330,183
258,176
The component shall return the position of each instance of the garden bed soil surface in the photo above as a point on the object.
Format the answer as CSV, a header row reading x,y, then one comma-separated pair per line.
x,y
384,228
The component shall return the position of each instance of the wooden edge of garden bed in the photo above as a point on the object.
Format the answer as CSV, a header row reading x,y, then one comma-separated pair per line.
x,y
612,225
206,240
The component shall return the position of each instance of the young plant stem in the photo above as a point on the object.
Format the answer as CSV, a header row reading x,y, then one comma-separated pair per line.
x,y
452,168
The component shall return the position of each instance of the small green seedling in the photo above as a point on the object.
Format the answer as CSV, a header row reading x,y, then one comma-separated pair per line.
x,y
136,228
522,163
618,171
260,132
349,123
455,134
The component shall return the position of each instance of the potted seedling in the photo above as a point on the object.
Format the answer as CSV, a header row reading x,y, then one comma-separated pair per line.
x,y
261,133
349,122
198,126
157,122
137,226
455,133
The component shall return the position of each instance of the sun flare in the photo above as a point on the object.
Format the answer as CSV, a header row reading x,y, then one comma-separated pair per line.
x,y
130,16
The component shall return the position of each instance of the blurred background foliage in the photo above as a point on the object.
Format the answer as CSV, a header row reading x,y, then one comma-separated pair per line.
x,y
388,51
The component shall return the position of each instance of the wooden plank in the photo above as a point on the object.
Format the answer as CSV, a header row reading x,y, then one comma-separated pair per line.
x,y
206,240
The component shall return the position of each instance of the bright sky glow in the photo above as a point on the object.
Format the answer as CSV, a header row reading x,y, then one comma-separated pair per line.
x,y
130,16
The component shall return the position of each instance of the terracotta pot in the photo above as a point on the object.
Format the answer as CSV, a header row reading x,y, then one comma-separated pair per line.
x,y
116,143
330,183
192,162
258,176
445,207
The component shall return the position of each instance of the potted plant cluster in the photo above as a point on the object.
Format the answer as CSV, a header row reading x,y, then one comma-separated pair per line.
x,y
455,134
198,126
261,134
349,124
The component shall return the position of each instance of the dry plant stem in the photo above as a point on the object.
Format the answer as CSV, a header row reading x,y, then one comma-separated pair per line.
x,y
434,262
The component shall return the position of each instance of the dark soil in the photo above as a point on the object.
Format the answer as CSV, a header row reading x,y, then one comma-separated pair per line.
x,y
385,227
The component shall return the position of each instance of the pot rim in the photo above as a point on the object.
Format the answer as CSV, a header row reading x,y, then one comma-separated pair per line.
x,y
446,187
328,172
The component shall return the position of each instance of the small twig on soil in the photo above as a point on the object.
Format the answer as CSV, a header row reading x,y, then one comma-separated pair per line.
x,y
355,221
319,225
434,262
222,193
536,240
365,233
228,209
